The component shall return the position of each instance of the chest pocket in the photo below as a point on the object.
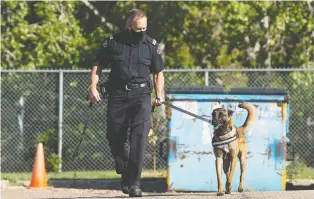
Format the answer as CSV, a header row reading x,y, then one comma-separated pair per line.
x,y
117,63
144,68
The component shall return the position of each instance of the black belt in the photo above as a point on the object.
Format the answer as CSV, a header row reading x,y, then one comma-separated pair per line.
x,y
133,86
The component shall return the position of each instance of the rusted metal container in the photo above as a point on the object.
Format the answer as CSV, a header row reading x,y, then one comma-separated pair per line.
x,y
191,162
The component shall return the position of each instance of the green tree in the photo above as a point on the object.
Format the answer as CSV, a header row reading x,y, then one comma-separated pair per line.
x,y
40,35
193,34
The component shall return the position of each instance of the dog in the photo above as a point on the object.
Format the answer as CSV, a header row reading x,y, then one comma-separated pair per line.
x,y
229,143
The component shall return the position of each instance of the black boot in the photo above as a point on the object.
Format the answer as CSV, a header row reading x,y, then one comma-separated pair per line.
x,y
135,191
124,183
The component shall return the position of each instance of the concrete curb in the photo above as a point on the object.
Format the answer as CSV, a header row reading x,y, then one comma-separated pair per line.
x,y
147,185
301,182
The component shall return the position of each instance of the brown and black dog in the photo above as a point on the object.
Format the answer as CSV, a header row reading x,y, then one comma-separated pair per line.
x,y
229,143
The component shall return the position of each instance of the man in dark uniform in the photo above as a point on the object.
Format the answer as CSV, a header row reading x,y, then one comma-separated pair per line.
x,y
132,56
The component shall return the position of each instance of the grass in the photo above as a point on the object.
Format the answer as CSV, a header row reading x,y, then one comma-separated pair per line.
x,y
16,178
305,173
26,176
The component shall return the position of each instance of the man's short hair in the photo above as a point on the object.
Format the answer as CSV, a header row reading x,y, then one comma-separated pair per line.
x,y
133,15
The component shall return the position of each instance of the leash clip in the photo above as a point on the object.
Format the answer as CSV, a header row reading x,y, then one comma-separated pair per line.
x,y
126,88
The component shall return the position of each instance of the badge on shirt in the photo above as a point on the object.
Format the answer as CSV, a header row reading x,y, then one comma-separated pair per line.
x,y
158,50
105,44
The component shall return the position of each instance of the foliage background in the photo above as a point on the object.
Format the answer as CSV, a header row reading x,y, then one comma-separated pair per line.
x,y
67,34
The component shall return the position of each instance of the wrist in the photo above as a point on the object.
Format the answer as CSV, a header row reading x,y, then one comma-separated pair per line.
x,y
91,86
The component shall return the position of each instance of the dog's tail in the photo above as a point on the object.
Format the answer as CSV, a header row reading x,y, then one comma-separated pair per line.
x,y
251,117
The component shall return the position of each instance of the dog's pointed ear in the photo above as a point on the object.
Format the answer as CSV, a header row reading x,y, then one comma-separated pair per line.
x,y
230,112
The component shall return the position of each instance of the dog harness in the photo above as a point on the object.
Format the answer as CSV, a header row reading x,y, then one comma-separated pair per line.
x,y
218,143
224,144
227,141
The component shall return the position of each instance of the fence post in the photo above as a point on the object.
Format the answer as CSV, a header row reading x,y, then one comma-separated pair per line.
x,y
206,78
60,119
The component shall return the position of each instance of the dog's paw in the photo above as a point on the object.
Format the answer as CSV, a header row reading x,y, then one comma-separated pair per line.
x,y
240,189
220,194
228,192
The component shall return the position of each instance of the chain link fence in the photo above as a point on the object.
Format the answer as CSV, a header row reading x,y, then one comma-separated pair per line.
x,y
34,102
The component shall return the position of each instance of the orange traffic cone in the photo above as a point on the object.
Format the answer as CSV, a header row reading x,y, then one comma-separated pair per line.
x,y
39,176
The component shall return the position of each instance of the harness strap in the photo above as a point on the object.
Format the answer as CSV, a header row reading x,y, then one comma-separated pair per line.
x,y
219,143
225,141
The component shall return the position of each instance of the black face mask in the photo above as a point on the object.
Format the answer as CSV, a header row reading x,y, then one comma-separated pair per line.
x,y
137,36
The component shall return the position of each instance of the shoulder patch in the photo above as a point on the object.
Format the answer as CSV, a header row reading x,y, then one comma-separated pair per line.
x,y
105,44
151,40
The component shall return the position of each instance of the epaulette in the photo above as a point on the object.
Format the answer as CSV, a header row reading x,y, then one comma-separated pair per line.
x,y
105,44
114,34
151,40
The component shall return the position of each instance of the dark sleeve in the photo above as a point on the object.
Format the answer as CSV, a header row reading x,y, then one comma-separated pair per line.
x,y
157,63
103,55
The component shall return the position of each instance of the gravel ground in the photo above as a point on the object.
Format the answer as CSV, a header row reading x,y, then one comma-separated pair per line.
x,y
65,193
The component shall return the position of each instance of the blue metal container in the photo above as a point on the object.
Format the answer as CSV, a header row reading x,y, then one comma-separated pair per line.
x,y
191,162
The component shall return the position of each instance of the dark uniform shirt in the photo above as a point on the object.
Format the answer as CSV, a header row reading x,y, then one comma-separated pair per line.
x,y
130,62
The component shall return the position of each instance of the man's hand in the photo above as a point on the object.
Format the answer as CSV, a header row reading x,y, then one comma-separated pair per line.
x,y
159,86
157,101
93,95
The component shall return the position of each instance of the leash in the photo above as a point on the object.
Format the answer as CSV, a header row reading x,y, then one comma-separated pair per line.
x,y
184,111
214,144
84,130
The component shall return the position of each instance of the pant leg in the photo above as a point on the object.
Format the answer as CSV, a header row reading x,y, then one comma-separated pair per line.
x,y
140,125
117,129
117,139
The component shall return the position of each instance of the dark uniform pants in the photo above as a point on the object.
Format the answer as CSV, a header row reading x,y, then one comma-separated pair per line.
x,y
129,110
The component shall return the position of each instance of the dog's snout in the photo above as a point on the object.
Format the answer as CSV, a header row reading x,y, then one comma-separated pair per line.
x,y
214,122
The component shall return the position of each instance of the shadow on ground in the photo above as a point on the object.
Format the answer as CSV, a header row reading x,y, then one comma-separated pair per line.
x,y
157,185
